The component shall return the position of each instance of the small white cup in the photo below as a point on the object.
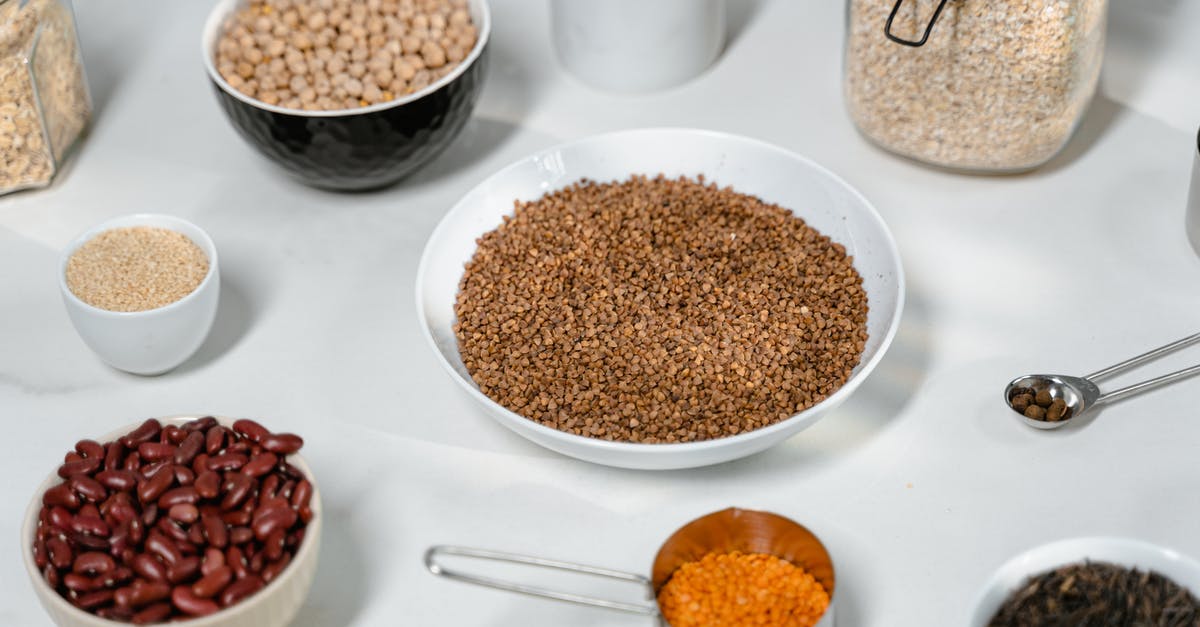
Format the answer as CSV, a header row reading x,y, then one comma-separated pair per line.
x,y
153,341
1193,207
637,45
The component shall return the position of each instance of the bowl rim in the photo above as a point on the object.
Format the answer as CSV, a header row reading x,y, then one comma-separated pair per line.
x,y
1056,553
307,550
620,447
223,8
205,244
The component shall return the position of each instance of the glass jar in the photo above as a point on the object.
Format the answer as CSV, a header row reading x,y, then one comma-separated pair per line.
x,y
44,99
979,85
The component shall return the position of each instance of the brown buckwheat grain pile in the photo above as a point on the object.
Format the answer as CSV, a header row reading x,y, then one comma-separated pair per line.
x,y
658,310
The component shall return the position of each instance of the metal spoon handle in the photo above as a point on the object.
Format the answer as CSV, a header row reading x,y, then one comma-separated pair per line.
x,y
1144,357
650,609
1150,384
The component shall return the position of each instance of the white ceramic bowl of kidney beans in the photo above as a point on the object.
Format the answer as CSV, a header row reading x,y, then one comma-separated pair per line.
x,y
220,524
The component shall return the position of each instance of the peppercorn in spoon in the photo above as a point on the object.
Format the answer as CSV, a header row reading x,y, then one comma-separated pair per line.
x,y
1049,401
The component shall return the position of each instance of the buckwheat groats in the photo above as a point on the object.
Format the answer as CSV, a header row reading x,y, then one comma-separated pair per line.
x,y
998,86
658,310
342,54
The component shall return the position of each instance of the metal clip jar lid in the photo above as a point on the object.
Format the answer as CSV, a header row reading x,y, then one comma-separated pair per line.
x,y
887,28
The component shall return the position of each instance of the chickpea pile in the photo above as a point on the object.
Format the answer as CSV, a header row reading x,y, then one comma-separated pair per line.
x,y
321,55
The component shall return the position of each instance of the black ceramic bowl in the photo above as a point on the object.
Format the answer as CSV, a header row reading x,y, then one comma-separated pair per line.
x,y
355,149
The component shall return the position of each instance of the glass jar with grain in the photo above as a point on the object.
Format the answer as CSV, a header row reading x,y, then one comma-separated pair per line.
x,y
44,99
976,85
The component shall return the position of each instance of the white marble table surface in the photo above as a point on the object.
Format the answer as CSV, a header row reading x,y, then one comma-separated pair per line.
x,y
921,485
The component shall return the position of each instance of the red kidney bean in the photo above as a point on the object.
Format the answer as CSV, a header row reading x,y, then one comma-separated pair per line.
x,y
269,487
184,475
200,464
89,541
88,509
114,454
93,563
260,465
88,488
60,517
256,562
276,501
285,491
147,566
155,468
72,456
84,466
172,530
90,525
52,576
144,433
273,545
150,489
173,434
133,461
207,484
283,443
156,451
114,613
240,589
140,593
250,429
184,570
189,448
59,552
93,600
149,514
196,535
235,558
302,495
176,496
79,583
137,530
161,546
189,603
119,575
200,424
40,554
212,560
117,479
241,447
183,513
213,583
241,535
155,613
89,448
236,518
269,519
290,471
215,531
237,487
228,461
214,440
272,570
123,512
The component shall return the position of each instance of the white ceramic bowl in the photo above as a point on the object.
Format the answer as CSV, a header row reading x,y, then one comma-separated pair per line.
x,y
825,201
1181,569
154,341
273,606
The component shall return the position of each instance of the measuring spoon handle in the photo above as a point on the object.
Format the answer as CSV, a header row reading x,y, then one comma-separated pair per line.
x,y
436,568
1144,357
1149,384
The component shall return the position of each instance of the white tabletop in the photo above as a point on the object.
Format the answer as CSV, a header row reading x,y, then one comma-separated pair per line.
x,y
920,485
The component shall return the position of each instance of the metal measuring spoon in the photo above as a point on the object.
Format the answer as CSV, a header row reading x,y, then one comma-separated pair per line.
x,y
1081,393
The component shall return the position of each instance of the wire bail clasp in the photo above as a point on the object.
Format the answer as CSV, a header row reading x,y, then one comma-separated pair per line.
x,y
887,29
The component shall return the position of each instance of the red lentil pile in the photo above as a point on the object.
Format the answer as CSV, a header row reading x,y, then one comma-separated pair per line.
x,y
742,589
658,310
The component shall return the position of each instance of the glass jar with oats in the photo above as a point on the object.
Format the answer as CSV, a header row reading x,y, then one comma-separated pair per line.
x,y
976,85
44,99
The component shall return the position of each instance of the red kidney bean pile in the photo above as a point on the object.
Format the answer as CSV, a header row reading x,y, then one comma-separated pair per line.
x,y
170,522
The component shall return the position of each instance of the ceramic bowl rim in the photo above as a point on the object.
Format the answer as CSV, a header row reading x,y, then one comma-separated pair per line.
x,y
864,369
205,244
223,8
307,549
